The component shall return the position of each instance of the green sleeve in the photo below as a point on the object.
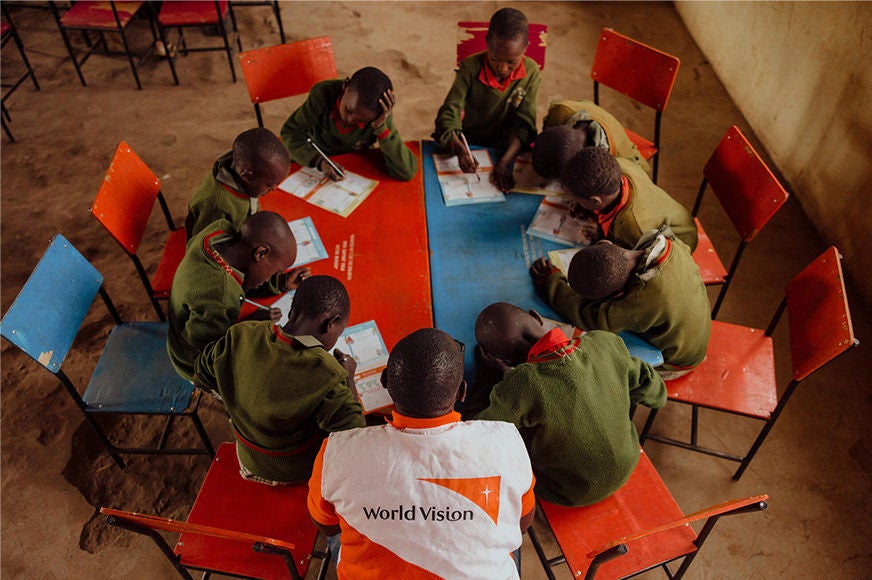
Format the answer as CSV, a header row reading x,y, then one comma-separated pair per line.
x,y
400,161
204,366
301,125
339,409
646,386
525,114
449,119
586,314
206,324
509,401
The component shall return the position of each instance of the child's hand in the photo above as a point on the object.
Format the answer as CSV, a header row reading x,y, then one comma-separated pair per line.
x,y
468,163
484,357
347,362
275,314
327,170
387,102
502,177
295,276
541,269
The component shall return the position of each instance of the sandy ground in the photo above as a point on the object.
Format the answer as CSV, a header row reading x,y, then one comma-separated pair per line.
x,y
55,475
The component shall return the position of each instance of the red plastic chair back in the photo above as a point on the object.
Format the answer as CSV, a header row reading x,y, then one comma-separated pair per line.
x,y
636,70
191,12
471,39
285,70
820,321
126,198
98,15
746,188
227,501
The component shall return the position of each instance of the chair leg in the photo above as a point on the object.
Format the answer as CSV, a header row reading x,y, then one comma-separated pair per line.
x,y
278,12
6,128
649,422
207,443
72,54
223,30
130,59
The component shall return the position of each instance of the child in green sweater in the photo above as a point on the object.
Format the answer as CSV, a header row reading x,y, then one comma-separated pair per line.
x,y
569,398
493,98
281,387
621,197
341,116
255,165
653,290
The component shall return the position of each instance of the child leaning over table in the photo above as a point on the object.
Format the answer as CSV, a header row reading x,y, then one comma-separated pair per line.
x,y
281,387
653,290
493,98
342,116
255,165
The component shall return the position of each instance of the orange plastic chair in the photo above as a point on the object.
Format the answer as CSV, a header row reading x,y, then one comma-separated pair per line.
x,y
285,70
471,39
748,192
236,527
123,206
190,13
639,527
738,374
640,72
103,17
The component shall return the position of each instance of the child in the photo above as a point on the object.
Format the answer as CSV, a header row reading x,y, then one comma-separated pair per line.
x,y
493,98
571,400
554,147
350,115
221,266
653,290
255,166
425,496
622,199
601,129
281,387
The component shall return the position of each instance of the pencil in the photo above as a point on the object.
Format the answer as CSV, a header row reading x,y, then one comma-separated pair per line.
x,y
466,144
253,303
324,156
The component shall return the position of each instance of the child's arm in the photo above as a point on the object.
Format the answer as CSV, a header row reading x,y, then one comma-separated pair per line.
x,y
449,119
204,366
339,409
301,126
400,161
646,385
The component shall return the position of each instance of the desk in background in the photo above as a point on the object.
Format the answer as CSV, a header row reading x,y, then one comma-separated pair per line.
x,y
379,252
481,254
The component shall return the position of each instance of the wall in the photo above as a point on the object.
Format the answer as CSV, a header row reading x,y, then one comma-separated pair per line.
x,y
799,72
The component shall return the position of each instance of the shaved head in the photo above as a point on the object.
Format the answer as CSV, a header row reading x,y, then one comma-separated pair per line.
x,y
507,332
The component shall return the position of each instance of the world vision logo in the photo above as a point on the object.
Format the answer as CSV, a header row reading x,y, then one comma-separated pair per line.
x,y
482,491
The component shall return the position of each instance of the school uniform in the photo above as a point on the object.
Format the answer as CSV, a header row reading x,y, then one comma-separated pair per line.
x,y
487,111
219,196
607,130
319,119
665,302
283,394
571,402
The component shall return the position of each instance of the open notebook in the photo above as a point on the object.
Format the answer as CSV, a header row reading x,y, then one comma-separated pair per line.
x,y
339,197
364,342
459,188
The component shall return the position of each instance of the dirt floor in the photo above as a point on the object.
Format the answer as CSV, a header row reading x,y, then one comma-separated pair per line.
x,y
816,464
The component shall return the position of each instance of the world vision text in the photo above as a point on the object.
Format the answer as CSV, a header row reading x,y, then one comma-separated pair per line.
x,y
430,514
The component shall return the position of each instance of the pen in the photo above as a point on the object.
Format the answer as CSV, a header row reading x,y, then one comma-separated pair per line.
x,y
253,303
327,159
466,144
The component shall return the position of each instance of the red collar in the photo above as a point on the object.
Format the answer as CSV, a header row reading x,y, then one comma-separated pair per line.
x,y
341,125
233,192
663,255
210,251
605,219
488,78
553,345
400,421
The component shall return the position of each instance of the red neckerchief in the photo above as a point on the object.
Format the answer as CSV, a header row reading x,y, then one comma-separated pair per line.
x,y
552,346
605,219
207,247
341,125
488,78
401,421
233,192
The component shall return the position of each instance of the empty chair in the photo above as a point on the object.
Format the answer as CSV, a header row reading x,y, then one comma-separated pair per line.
x,y
472,38
186,14
640,72
123,206
236,527
285,70
134,375
7,33
639,527
738,375
749,193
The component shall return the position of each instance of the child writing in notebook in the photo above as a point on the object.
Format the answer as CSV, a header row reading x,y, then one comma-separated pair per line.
x,y
281,387
341,116
255,165
493,99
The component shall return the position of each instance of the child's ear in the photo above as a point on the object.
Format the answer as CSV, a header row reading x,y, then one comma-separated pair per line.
x,y
329,323
260,253
246,174
461,391
536,315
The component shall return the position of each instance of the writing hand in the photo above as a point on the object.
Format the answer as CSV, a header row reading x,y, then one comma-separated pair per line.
x,y
275,314
295,276
327,170
347,362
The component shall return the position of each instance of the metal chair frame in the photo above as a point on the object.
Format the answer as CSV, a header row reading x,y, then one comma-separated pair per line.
x,y
276,8
12,34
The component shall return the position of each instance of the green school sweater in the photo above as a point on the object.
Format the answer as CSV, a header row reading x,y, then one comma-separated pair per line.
x,y
212,201
666,304
566,112
314,119
649,208
488,116
573,412
282,393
